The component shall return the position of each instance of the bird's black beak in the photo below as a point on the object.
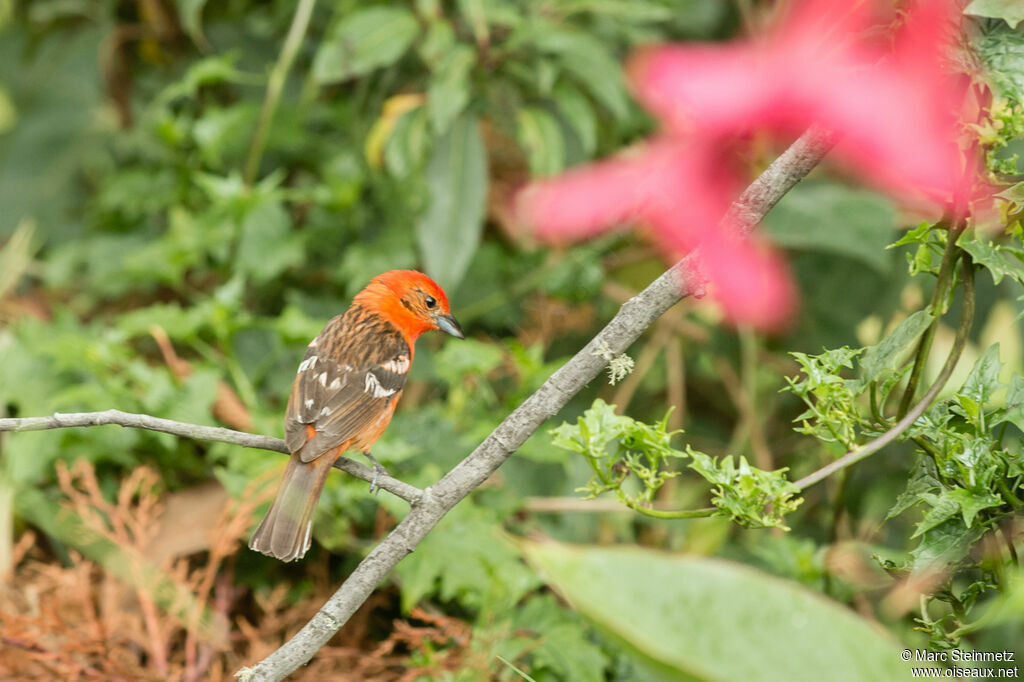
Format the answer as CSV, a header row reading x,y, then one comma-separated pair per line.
x,y
449,325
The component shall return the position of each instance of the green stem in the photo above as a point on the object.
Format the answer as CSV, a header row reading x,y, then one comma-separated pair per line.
x,y
868,449
668,514
1008,495
275,84
949,258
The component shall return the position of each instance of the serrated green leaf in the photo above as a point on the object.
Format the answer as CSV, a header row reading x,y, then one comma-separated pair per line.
x,y
448,91
888,354
942,508
918,235
685,614
1014,412
945,544
923,481
983,380
998,260
541,137
971,503
363,41
1002,53
448,233
1010,11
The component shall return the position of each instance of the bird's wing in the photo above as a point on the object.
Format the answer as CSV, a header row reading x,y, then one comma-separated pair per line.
x,y
351,374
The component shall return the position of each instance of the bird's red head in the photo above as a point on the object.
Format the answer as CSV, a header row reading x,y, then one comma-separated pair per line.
x,y
411,301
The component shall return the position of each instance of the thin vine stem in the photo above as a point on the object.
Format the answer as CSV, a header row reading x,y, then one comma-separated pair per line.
x,y
868,449
924,346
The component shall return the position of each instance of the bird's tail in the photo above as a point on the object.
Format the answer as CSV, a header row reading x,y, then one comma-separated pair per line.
x,y
286,530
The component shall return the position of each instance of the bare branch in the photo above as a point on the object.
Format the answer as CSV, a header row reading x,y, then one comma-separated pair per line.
x,y
195,431
633,318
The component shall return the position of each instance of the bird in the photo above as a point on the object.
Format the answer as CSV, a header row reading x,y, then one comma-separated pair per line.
x,y
344,396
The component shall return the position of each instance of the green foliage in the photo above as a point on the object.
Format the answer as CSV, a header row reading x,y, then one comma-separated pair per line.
x,y
362,41
397,134
449,231
750,496
616,446
830,416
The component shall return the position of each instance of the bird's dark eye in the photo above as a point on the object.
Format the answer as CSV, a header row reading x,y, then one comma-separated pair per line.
x,y
430,301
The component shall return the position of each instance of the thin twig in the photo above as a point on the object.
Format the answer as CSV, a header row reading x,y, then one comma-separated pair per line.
x,y
196,432
868,449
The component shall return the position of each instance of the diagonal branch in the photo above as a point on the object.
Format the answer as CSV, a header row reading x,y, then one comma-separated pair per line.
x,y
195,431
633,318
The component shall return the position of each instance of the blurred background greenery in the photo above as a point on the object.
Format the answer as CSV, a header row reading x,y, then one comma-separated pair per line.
x,y
186,196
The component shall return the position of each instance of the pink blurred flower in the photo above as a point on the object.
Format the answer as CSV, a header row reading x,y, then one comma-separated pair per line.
x,y
892,105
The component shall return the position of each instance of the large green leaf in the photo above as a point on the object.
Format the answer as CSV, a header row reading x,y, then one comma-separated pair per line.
x,y
449,231
831,218
363,41
709,619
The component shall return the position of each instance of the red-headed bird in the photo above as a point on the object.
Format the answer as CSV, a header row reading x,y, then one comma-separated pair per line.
x,y
345,393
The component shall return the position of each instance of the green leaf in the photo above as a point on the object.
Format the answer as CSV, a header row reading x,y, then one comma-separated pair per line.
x,y
363,41
971,503
999,260
1002,53
708,619
1010,11
541,137
486,574
1014,412
589,62
406,148
833,218
448,92
923,481
884,357
267,246
983,380
752,497
946,543
449,231
575,108
562,644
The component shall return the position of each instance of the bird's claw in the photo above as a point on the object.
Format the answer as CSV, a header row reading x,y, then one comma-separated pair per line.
x,y
378,469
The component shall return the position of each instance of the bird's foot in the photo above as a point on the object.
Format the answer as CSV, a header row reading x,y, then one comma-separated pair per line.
x,y
378,469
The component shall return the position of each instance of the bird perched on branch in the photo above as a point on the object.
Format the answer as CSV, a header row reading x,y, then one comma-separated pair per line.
x,y
344,394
